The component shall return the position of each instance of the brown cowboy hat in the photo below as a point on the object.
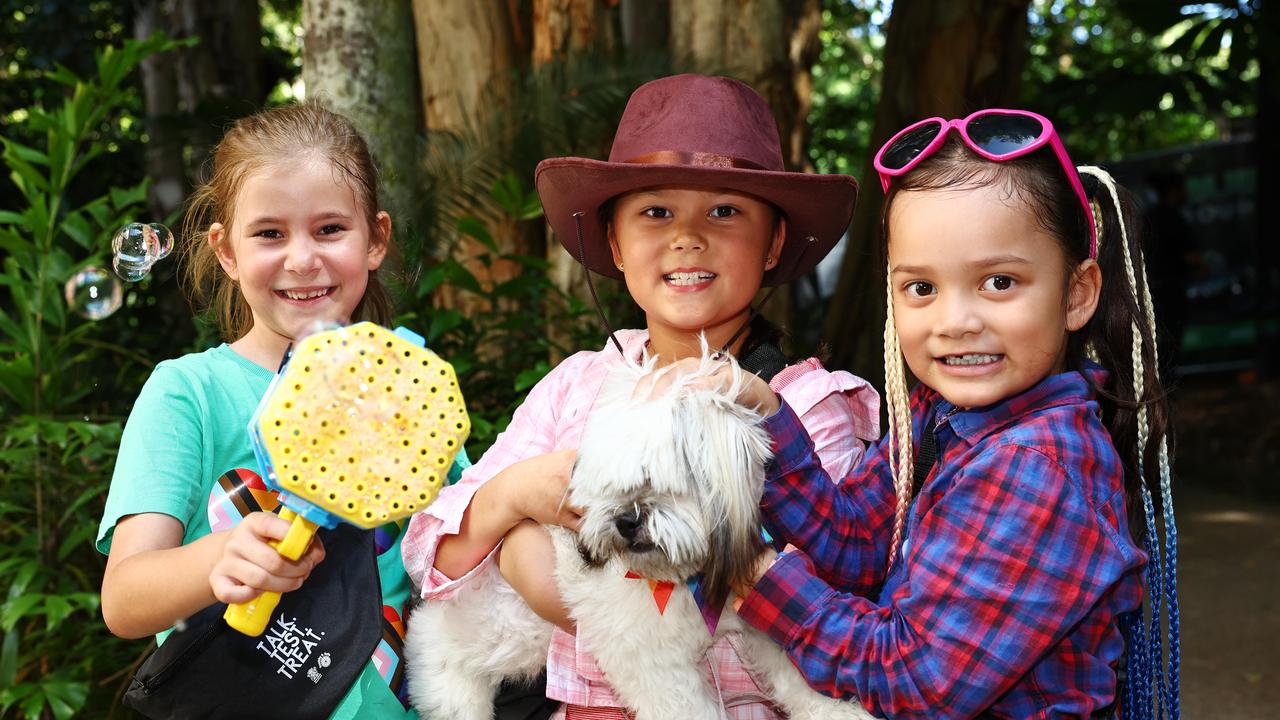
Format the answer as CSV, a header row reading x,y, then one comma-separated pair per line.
x,y
698,130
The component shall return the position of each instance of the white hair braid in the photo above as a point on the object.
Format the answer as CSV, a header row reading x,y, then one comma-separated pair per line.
x,y
898,406
1142,297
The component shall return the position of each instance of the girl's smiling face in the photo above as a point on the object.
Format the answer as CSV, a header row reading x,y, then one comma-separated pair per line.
x,y
693,258
300,248
983,299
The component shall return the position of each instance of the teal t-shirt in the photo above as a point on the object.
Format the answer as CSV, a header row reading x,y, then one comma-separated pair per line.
x,y
185,452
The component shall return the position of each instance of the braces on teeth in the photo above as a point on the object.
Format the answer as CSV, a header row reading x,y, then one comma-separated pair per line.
x,y
969,359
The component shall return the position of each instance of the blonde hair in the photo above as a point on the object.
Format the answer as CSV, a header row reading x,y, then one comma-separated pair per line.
x,y
253,143
898,408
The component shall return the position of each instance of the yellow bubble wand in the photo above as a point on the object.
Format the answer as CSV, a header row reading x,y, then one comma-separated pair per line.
x,y
361,426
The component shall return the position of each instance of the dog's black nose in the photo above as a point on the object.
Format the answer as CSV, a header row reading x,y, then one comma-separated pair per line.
x,y
628,524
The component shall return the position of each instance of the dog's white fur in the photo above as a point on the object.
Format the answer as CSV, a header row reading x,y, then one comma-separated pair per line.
x,y
670,483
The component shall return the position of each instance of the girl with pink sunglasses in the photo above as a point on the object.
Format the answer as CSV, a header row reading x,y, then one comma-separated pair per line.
x,y
983,560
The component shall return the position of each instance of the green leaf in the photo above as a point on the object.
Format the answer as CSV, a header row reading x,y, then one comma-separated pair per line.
x,y
77,228
529,261
471,226
56,609
128,197
430,280
442,322
9,660
530,376
22,579
508,192
61,74
28,154
15,243
84,497
25,176
65,697
532,208
461,277
33,704
16,609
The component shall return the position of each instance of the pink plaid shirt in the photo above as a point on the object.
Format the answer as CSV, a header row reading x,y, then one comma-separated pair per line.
x,y
840,412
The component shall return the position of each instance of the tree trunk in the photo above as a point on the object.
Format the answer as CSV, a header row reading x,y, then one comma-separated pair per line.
x,y
465,59
165,165
646,25
747,39
359,60
945,58
805,47
219,79
192,93
562,29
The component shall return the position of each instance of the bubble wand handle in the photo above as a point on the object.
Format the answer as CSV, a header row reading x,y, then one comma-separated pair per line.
x,y
251,617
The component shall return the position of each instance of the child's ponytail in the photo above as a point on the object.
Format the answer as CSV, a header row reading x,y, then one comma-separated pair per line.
x,y
1121,338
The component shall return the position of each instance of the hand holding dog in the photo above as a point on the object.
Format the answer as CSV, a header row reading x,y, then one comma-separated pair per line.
x,y
754,393
539,489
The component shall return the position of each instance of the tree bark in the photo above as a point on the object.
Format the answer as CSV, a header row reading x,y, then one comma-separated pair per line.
x,y
165,165
945,58
563,29
804,48
646,25
359,59
747,39
465,59
220,78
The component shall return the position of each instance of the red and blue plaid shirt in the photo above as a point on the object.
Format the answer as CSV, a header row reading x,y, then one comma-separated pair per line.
x,y
1015,566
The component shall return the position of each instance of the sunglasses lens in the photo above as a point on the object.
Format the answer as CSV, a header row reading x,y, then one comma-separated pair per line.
x,y
906,148
1000,134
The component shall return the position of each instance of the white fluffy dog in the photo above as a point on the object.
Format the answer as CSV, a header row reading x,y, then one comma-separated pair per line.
x,y
670,483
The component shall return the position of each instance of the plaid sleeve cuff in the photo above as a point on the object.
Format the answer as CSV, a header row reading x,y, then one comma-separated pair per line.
x,y
785,597
792,447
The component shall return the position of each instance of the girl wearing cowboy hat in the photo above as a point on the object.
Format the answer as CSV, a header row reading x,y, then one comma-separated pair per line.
x,y
694,211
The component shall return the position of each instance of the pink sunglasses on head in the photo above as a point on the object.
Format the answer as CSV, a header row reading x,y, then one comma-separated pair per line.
x,y
995,134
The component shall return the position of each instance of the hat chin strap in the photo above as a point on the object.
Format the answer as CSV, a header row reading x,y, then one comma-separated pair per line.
x,y
755,311
582,258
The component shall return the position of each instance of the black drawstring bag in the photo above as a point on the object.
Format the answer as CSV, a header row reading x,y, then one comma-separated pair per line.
x,y
318,641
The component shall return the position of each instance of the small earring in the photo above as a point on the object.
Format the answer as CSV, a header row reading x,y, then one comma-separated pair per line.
x,y
619,266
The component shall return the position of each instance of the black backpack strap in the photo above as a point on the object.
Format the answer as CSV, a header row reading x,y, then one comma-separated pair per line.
x,y
926,456
765,360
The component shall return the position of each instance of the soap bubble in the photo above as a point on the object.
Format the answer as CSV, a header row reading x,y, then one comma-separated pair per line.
x,y
164,240
130,271
138,246
93,293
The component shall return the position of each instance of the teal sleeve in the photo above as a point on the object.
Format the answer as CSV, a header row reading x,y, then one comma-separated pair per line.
x,y
158,468
460,462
